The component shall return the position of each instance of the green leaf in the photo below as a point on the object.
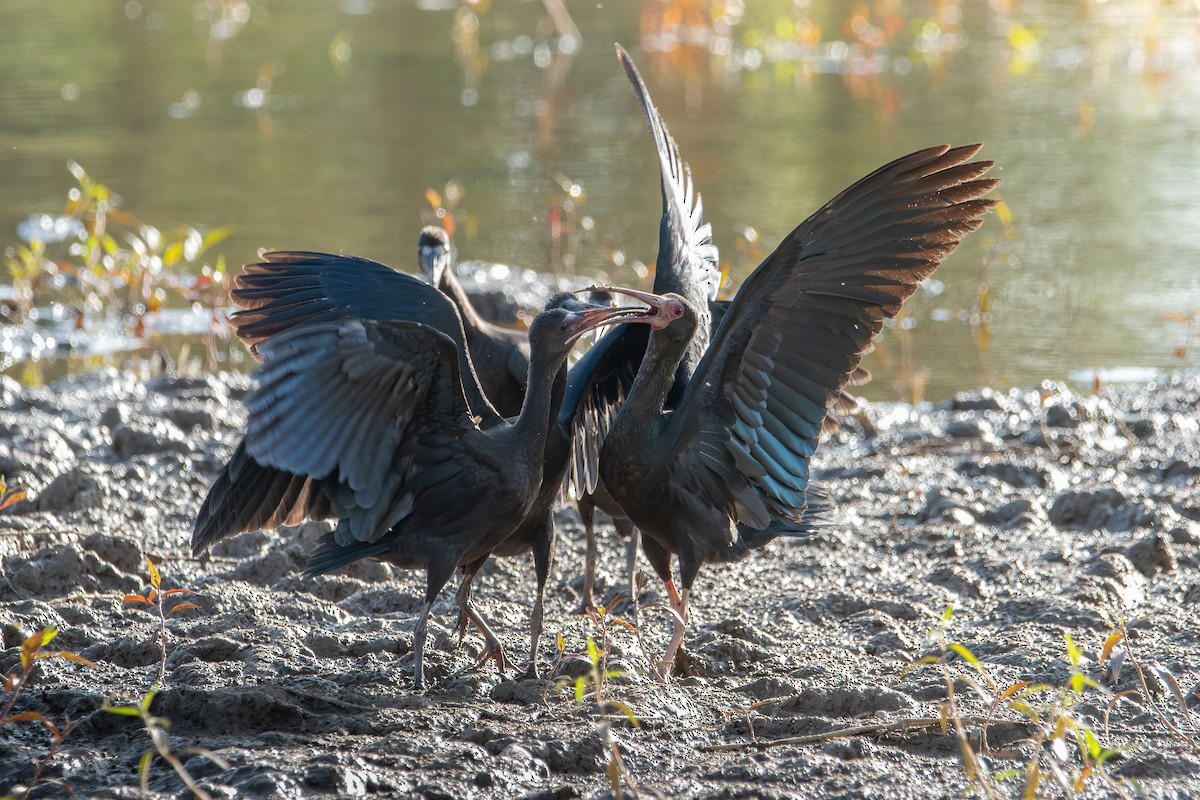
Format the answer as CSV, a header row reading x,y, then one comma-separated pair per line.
x,y
627,711
69,656
144,770
593,651
580,684
173,254
1113,639
7,500
967,654
33,645
215,236
1093,747
124,711
948,613
1073,653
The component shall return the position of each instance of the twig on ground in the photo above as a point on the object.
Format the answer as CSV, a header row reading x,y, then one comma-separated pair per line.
x,y
911,725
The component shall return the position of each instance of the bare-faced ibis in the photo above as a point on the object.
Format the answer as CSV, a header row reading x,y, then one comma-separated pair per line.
x,y
500,355
725,467
374,418
687,264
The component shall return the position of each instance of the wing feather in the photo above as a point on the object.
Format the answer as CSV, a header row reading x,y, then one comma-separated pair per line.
x,y
338,402
751,416
292,288
688,261
688,264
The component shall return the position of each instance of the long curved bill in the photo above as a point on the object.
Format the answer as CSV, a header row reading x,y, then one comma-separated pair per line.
x,y
658,304
591,318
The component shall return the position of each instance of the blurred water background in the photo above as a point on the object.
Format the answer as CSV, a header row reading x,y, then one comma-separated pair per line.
x,y
344,126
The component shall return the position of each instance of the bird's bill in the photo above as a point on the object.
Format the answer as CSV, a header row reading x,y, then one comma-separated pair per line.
x,y
432,254
592,318
656,315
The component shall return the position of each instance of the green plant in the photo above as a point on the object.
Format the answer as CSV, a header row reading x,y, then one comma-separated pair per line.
x,y
597,657
119,271
1064,749
157,727
1179,724
32,651
155,599
595,682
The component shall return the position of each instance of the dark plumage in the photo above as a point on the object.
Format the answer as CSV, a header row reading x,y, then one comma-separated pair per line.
x,y
727,469
291,289
381,422
688,265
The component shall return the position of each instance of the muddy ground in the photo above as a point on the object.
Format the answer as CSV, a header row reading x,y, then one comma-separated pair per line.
x,y
1032,514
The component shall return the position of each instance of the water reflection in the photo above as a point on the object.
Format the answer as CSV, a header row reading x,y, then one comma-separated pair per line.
x,y
325,127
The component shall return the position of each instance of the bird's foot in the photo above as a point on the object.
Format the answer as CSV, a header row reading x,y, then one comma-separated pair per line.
x,y
460,629
492,651
530,673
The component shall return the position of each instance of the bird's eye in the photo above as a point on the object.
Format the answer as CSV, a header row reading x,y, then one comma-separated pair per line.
x,y
677,310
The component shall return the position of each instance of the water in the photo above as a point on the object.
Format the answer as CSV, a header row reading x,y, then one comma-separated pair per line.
x,y
321,125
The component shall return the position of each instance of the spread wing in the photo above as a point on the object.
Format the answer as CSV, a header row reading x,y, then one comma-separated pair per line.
x,y
687,265
794,334
287,289
247,496
687,258
352,404
596,387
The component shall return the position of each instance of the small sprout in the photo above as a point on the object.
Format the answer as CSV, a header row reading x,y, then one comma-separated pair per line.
x,y
9,498
1073,653
155,599
156,728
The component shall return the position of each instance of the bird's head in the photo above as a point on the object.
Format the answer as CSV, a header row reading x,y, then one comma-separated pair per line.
x,y
434,254
663,309
566,318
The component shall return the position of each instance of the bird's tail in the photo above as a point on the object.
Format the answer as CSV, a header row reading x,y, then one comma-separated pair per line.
x,y
329,555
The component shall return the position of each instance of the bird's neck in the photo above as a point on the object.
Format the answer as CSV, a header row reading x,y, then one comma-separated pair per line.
x,y
472,322
643,408
689,359
543,396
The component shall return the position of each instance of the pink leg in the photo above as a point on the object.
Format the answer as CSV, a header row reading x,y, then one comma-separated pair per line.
x,y
680,605
492,649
